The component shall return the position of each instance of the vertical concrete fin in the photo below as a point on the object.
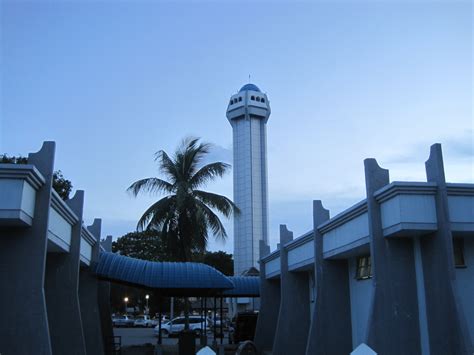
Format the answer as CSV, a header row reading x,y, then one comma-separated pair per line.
x,y
393,302
76,204
90,297
95,228
285,235
448,330
320,214
43,159
375,176
107,243
330,329
264,249
62,287
434,165
294,304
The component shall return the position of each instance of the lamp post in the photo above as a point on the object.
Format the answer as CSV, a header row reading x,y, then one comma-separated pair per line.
x,y
126,302
147,309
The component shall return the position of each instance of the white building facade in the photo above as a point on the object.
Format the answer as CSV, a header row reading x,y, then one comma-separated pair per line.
x,y
248,112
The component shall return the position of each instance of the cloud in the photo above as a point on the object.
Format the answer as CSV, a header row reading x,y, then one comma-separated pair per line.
x,y
218,153
459,147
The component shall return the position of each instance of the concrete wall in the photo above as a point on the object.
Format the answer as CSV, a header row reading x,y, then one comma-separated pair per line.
x,y
465,284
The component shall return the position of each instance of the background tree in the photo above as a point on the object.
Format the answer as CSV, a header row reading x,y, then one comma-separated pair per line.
x,y
145,245
185,216
60,184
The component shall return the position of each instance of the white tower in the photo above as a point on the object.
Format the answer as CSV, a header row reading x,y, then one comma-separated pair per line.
x,y
248,113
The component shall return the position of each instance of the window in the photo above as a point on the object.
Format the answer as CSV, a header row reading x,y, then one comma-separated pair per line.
x,y
458,249
231,102
263,100
252,98
240,98
258,99
364,270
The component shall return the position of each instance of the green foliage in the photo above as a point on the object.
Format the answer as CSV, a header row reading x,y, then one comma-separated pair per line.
x,y
61,185
146,245
5,159
221,261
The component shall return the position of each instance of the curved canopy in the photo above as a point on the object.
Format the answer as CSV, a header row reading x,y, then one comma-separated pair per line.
x,y
244,286
172,279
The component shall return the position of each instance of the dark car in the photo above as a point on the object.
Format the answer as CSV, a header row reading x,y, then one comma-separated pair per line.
x,y
244,325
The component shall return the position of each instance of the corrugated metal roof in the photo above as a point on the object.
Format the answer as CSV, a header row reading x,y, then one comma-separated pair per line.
x,y
244,286
171,278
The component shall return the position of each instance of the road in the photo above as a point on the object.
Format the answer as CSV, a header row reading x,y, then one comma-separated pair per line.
x,y
141,336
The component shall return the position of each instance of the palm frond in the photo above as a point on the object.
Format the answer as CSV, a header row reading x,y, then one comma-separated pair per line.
x,y
150,185
213,222
209,172
168,166
221,203
156,213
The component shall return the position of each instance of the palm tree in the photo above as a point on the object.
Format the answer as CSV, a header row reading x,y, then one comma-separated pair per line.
x,y
185,215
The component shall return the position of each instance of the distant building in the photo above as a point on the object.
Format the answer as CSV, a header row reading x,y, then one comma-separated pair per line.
x,y
248,113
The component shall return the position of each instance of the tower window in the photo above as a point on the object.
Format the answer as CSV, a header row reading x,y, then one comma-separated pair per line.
x,y
458,249
240,98
252,98
263,100
231,102
258,99
364,269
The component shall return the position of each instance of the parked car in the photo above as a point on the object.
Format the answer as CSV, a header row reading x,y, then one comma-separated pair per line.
x,y
243,327
177,325
143,321
155,320
122,321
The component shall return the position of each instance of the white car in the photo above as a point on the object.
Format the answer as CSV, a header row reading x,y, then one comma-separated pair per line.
x,y
143,321
122,321
177,325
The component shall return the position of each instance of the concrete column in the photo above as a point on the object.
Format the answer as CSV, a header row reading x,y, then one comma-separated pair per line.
x,y
393,319
269,306
293,318
446,325
330,331
104,302
88,297
61,288
24,323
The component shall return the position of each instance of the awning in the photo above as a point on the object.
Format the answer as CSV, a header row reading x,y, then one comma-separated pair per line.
x,y
170,278
244,286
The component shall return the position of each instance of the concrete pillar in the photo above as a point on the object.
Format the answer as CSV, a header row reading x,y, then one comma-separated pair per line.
x,y
24,325
330,331
269,306
88,297
104,303
393,318
61,288
293,317
447,328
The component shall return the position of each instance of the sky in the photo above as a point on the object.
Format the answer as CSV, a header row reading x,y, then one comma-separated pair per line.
x,y
112,82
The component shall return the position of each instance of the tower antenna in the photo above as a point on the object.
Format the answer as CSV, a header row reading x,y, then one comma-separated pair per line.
x,y
249,78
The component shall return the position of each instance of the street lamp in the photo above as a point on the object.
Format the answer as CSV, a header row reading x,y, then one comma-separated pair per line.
x,y
126,302
147,309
